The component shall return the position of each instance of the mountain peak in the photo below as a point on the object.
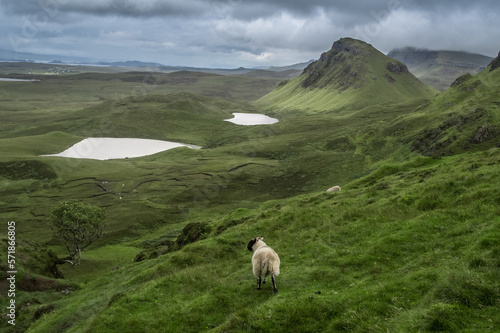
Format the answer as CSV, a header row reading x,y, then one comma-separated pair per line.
x,y
352,46
346,64
351,73
338,65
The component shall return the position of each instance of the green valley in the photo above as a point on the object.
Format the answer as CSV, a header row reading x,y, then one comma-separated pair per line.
x,y
411,243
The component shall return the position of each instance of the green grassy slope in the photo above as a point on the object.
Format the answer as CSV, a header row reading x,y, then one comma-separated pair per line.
x,y
351,75
411,247
466,117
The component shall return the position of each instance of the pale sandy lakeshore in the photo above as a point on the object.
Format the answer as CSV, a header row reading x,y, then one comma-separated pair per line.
x,y
118,148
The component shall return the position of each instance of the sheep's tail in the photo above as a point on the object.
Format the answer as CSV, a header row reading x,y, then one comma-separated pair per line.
x,y
264,267
269,267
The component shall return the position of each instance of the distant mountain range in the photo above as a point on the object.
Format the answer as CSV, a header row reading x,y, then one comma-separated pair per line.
x,y
10,56
439,69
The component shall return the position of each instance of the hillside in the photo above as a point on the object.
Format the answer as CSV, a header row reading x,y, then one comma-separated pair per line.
x,y
466,117
410,243
412,247
351,75
440,68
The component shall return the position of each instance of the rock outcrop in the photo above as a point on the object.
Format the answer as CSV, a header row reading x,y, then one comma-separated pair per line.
x,y
495,63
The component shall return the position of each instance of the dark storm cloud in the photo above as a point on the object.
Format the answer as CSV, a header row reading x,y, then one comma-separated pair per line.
x,y
347,13
352,11
239,8
355,9
127,8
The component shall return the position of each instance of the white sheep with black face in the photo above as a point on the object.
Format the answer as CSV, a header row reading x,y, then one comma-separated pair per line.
x,y
265,261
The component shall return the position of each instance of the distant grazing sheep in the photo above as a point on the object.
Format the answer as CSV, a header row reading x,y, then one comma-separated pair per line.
x,y
265,261
333,189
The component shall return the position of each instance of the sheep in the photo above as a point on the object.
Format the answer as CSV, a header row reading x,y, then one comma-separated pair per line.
x,y
265,261
333,189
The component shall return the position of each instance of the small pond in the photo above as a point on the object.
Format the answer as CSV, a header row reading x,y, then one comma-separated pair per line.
x,y
118,148
249,119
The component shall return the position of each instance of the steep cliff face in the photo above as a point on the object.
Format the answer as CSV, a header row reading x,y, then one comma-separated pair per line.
x,y
495,63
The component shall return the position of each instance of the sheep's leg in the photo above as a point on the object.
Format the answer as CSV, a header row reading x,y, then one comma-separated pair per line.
x,y
264,281
258,283
274,284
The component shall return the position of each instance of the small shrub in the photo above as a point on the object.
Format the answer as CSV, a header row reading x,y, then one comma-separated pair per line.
x,y
193,232
41,310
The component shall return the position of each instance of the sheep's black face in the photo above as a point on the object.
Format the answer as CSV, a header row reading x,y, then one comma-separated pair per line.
x,y
251,243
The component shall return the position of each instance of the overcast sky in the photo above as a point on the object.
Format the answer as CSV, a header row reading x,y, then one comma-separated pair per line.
x,y
233,33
